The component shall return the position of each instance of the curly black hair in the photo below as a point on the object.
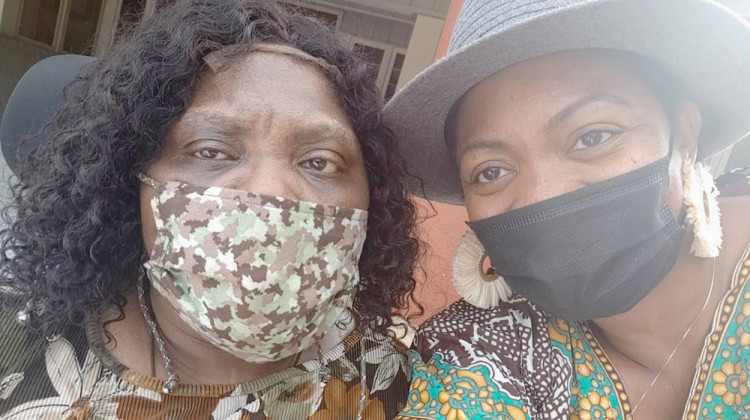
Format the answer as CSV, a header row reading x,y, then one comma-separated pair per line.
x,y
74,245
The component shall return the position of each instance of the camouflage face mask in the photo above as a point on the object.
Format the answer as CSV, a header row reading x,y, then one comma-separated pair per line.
x,y
261,277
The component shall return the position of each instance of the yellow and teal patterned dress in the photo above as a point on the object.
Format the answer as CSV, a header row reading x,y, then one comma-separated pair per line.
x,y
515,362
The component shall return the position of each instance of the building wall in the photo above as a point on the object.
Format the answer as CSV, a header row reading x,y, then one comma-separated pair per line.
x,y
442,224
376,29
422,47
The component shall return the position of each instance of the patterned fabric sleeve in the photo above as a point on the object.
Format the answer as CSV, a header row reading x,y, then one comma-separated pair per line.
x,y
470,363
64,377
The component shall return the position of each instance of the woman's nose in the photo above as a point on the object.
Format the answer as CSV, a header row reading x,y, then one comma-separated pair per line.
x,y
269,178
542,183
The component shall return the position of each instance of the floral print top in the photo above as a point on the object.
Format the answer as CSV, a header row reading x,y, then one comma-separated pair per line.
x,y
72,377
515,362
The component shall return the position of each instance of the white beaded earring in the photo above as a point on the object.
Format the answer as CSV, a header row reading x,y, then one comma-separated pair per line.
x,y
702,209
483,289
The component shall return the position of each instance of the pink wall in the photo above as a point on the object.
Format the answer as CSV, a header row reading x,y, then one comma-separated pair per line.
x,y
450,21
441,227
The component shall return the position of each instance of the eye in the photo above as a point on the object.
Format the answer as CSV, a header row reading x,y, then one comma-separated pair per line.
x,y
490,174
211,154
319,165
592,139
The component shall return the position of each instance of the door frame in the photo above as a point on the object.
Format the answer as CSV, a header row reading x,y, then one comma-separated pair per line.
x,y
391,63
384,71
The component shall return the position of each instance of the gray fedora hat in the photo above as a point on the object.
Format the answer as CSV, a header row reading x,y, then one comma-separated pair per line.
x,y
702,42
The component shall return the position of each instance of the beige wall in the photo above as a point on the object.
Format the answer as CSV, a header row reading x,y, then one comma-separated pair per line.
x,y
442,225
9,11
375,28
422,46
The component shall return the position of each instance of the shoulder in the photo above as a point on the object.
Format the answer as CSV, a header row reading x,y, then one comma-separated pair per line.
x,y
502,356
382,361
29,359
499,332
442,391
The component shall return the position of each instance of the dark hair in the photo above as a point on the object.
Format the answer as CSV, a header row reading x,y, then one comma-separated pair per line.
x,y
75,245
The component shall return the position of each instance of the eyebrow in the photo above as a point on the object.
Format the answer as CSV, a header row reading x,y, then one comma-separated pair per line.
x,y
212,120
482,145
582,103
552,122
314,131
311,130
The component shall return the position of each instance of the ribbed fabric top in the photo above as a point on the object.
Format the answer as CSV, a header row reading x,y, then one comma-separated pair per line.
x,y
73,376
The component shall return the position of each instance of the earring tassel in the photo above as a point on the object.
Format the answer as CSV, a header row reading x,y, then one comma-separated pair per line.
x,y
480,289
702,210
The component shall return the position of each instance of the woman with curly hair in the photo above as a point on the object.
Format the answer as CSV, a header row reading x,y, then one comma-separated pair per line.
x,y
215,224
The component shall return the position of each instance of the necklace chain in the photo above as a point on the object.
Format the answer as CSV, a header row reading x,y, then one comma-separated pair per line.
x,y
682,340
172,379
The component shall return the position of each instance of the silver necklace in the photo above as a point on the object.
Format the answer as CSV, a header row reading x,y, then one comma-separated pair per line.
x,y
684,336
362,379
324,374
172,379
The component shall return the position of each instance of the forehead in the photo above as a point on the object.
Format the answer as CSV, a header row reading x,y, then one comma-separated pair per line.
x,y
261,81
558,76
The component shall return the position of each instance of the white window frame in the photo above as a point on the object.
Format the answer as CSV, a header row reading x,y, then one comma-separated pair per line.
x,y
385,69
322,9
389,58
391,63
61,26
109,20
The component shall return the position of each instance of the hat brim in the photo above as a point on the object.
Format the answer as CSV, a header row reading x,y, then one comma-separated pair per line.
x,y
703,43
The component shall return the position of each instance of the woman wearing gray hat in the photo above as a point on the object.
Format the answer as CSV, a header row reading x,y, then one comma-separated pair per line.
x,y
573,132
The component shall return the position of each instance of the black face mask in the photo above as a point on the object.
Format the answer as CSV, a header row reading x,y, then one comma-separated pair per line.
x,y
590,253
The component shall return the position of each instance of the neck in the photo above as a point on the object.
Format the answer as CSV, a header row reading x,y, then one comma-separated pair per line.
x,y
648,333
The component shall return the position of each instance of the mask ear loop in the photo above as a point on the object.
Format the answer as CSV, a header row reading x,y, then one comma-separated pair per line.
x,y
148,180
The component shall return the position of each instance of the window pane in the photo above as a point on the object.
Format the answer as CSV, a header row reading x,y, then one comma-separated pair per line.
x,y
398,64
375,58
38,20
82,22
328,19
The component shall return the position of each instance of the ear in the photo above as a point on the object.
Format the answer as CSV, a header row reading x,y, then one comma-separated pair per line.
x,y
687,130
